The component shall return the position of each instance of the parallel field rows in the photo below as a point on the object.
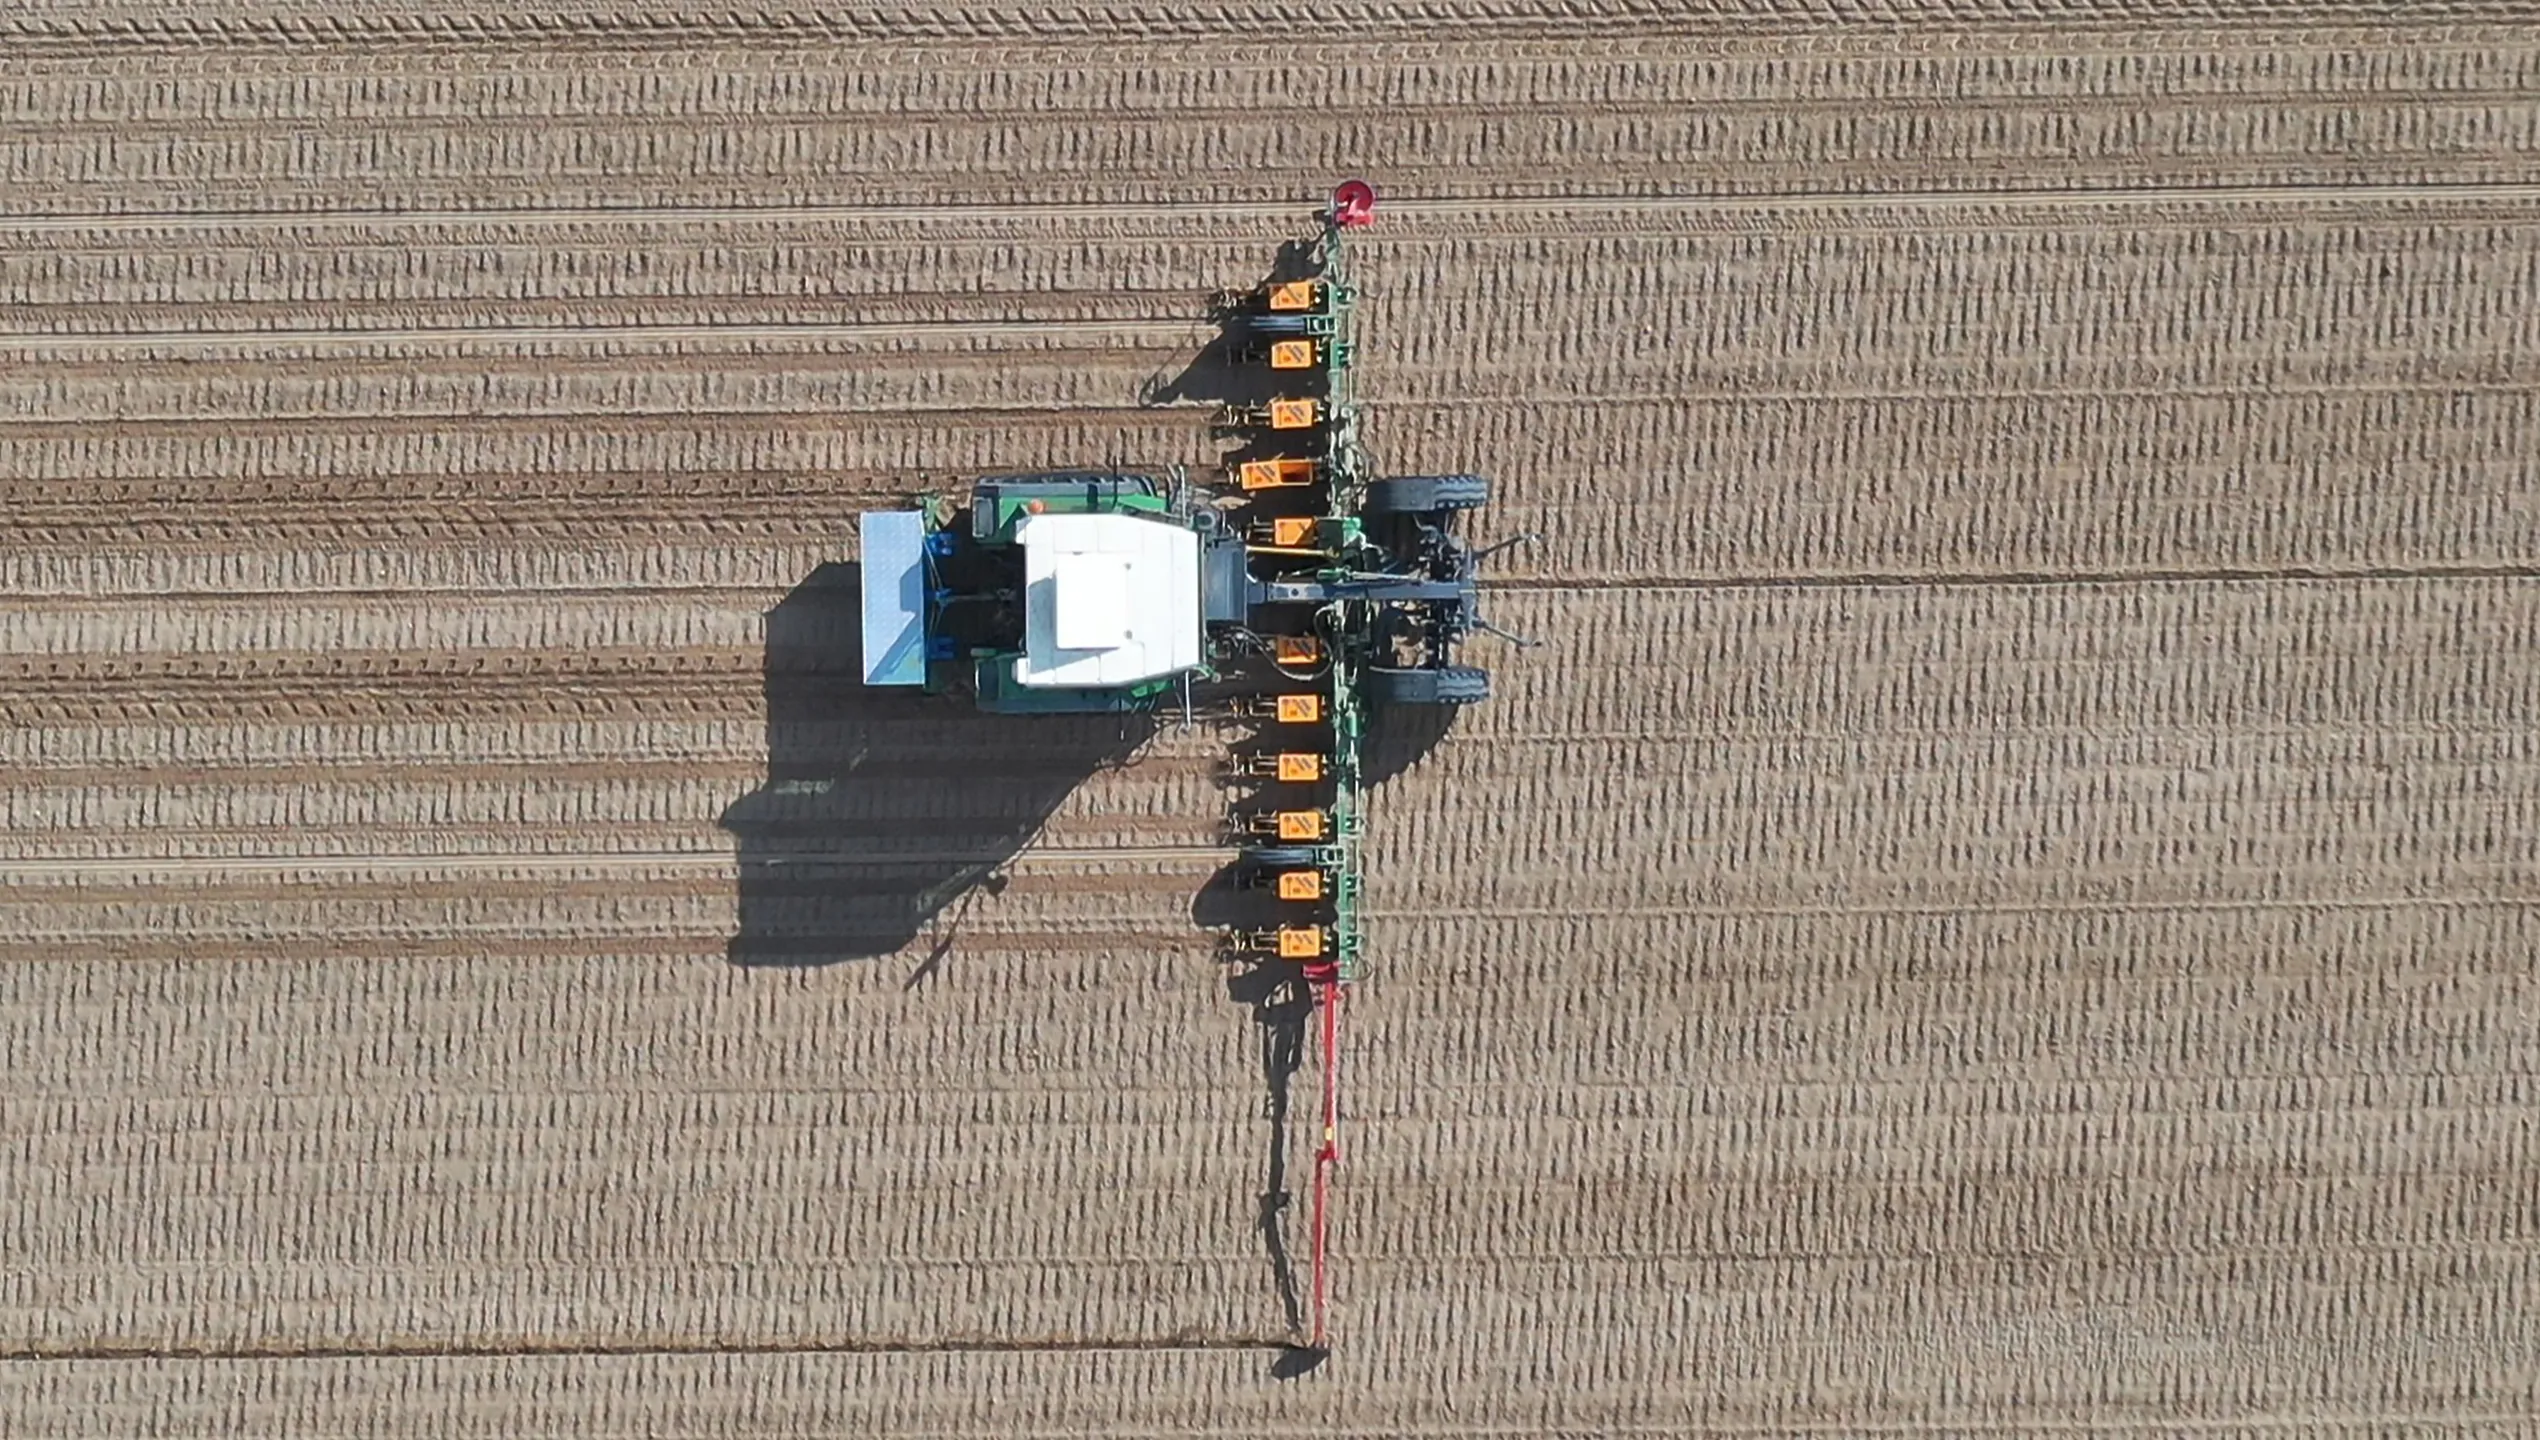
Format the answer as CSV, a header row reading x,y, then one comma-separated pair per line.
x,y
2002,901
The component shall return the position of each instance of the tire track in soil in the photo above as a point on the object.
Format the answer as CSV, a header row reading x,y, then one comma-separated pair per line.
x,y
25,870
1165,331
2013,579
198,952
1341,105
679,321
1468,20
2104,141
350,688
1619,74
1056,415
565,845
608,1348
1490,211
922,247
350,886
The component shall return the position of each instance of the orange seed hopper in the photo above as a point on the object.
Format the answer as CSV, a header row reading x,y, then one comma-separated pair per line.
x,y
1300,768
1301,885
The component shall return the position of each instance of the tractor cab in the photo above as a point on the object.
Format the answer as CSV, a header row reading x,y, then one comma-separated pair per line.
x,y
1066,591
1108,600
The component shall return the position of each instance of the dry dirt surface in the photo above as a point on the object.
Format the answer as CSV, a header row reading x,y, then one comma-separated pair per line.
x,y
2006,902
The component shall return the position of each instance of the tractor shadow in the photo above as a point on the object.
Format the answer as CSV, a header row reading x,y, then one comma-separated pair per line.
x,y
886,814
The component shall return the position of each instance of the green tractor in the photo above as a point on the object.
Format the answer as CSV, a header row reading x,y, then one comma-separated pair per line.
x,y
1081,591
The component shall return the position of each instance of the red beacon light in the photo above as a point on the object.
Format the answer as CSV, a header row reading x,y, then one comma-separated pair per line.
x,y
1353,204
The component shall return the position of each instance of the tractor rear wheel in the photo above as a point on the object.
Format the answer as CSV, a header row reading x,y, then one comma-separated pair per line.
x,y
1425,494
1447,685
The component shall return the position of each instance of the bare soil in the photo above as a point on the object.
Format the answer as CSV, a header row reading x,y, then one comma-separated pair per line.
x,y
2004,903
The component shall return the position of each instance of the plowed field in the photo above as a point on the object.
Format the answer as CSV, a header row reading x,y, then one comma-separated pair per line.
x,y
2005,901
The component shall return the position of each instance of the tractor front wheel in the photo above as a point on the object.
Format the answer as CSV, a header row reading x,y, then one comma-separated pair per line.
x,y
1447,685
1425,494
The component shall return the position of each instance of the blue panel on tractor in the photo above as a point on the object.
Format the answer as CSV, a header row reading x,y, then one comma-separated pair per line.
x,y
894,544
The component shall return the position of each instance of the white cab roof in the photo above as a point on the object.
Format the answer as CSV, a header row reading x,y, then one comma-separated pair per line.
x,y
1108,600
